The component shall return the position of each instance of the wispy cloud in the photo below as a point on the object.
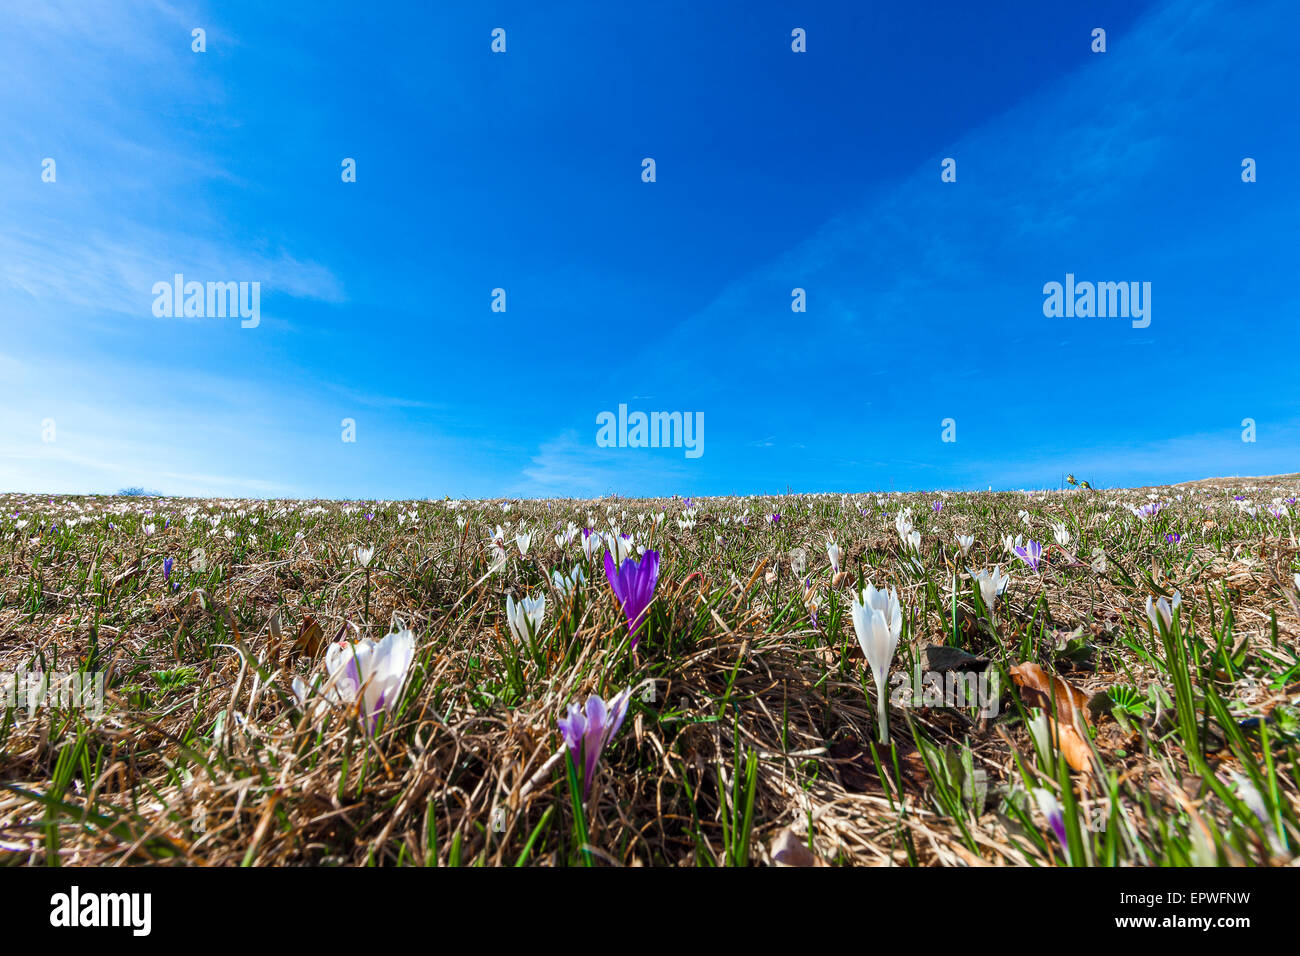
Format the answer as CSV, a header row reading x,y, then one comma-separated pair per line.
x,y
572,464
142,439
124,211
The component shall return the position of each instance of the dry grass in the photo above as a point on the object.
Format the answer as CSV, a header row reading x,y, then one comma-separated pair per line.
x,y
201,755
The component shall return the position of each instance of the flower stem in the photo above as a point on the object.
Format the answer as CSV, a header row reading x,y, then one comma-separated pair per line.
x,y
882,714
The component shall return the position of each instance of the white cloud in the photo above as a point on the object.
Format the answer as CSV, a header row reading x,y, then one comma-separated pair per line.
x,y
571,465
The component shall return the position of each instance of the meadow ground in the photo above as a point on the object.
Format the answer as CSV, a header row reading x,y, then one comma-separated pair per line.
x,y
247,717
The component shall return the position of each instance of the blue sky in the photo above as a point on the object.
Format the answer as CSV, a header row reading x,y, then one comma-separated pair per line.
x,y
522,171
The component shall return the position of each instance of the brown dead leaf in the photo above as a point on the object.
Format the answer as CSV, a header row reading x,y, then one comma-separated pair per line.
x,y
310,637
1038,689
1071,744
857,769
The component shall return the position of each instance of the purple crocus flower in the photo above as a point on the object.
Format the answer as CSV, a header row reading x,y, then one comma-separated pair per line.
x,y
167,570
1173,538
775,518
586,734
634,586
1030,553
937,506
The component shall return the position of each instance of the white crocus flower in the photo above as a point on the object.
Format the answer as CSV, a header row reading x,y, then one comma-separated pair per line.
x,y
525,618
991,583
523,541
622,545
834,553
1163,610
878,621
1061,533
964,541
368,673
363,555
913,542
567,585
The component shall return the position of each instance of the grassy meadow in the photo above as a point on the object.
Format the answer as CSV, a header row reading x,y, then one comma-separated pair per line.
x,y
383,683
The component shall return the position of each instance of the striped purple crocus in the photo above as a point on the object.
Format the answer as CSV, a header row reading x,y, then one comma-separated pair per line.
x,y
633,585
1051,808
1149,510
367,674
587,733
1031,553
